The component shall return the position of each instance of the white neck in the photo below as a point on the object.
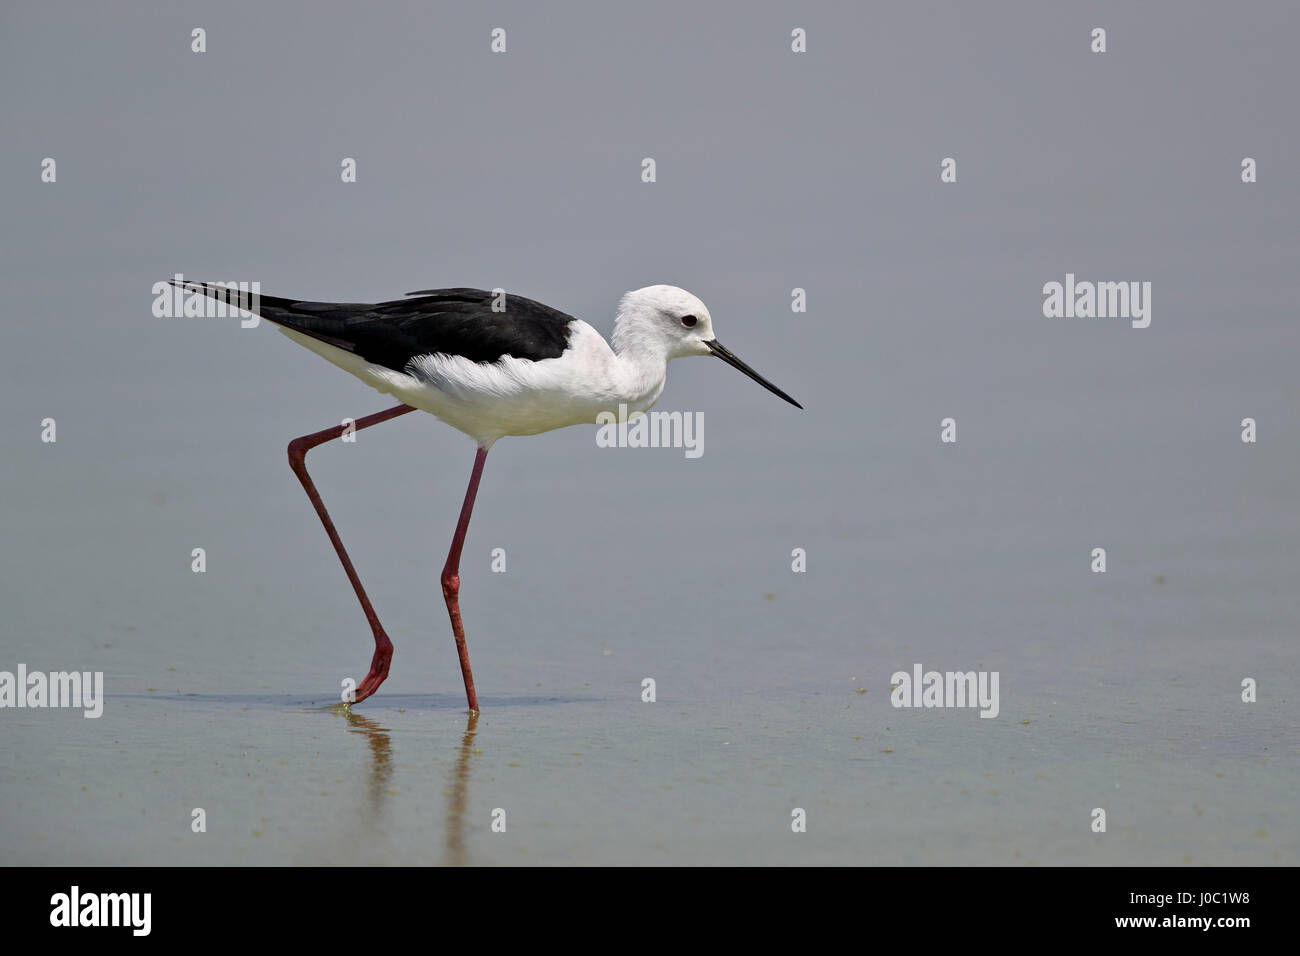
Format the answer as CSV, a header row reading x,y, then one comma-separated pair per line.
x,y
640,363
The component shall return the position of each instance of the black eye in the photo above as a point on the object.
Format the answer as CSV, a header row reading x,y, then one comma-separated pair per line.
x,y
688,321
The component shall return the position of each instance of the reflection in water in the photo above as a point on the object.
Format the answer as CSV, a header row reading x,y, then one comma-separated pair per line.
x,y
381,752
458,797
381,775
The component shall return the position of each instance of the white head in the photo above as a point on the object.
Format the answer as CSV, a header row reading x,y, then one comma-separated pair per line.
x,y
664,318
668,321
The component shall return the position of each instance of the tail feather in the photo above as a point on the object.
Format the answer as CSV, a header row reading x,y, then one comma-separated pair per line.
x,y
309,318
231,295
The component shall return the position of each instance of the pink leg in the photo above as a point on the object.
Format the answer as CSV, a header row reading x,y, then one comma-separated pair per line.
x,y
451,578
298,449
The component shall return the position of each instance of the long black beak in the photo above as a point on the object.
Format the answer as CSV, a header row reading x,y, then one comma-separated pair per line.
x,y
717,349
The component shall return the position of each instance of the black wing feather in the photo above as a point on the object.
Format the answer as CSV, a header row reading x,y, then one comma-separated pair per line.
x,y
436,321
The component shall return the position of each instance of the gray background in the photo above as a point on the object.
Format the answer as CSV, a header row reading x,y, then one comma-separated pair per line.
x,y
775,170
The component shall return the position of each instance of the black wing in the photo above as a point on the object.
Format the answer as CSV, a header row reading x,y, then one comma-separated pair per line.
x,y
438,321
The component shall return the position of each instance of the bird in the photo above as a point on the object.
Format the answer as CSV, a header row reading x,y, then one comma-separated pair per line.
x,y
491,365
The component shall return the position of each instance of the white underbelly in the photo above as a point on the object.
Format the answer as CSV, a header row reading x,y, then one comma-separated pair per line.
x,y
485,401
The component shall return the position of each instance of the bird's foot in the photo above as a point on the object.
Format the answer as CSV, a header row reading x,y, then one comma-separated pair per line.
x,y
378,671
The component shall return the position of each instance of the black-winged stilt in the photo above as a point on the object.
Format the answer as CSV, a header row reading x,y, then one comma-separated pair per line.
x,y
517,369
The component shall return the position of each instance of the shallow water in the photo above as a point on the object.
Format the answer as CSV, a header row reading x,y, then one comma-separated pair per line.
x,y
1117,691
587,778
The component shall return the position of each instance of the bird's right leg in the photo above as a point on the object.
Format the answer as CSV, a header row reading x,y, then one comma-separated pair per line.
x,y
298,449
